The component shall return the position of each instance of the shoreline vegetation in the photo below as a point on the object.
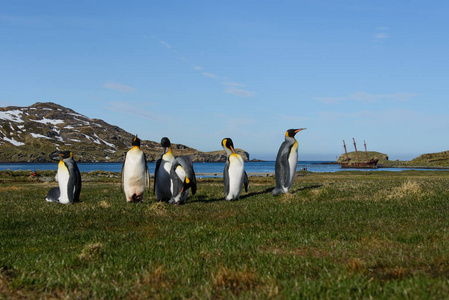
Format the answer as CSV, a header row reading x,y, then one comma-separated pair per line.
x,y
439,160
349,234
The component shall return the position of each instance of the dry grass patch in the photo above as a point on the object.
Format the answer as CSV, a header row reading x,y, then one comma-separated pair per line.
x,y
356,265
156,278
158,208
11,188
235,281
286,198
408,188
4,285
313,252
104,204
91,251
389,272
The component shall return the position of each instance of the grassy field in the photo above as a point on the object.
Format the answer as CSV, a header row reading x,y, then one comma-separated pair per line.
x,y
336,235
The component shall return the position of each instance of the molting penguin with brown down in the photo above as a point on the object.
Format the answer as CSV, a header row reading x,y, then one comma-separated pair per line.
x,y
135,176
68,177
234,174
286,162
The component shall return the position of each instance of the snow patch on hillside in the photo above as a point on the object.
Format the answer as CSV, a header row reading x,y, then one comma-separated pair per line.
x,y
12,115
38,136
12,141
51,121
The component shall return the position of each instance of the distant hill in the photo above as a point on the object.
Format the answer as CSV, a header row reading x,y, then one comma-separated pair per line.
x,y
30,134
383,158
437,160
440,159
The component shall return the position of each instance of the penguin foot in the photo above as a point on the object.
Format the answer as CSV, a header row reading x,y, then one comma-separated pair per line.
x,y
276,192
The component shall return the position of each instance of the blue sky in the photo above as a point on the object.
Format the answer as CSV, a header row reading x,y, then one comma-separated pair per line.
x,y
199,71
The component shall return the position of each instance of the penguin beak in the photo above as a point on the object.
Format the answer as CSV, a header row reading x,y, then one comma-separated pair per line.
x,y
232,148
300,129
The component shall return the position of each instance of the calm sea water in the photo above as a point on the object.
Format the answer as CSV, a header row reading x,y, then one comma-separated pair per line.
x,y
214,168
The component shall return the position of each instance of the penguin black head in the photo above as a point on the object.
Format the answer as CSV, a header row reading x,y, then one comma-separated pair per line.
x,y
136,141
165,142
58,155
292,132
65,154
227,144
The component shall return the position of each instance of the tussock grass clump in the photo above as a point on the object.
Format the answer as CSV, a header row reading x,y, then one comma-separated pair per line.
x,y
407,189
3,284
91,251
235,281
158,208
155,279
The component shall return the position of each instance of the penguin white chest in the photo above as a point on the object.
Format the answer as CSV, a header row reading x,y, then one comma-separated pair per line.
x,y
236,169
134,172
293,162
63,181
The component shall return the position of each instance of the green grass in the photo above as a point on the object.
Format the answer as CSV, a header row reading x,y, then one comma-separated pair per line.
x,y
343,235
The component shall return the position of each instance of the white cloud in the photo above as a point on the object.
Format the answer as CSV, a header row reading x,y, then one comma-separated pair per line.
x,y
227,83
381,35
165,44
239,92
132,109
119,87
368,98
210,75
231,85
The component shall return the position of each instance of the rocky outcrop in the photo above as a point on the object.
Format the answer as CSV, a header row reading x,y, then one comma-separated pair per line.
x,y
30,134
383,158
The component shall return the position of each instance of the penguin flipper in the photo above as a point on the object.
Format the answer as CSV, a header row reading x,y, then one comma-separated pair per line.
x,y
245,181
226,177
121,181
193,182
147,173
193,187
74,183
186,163
156,169
282,168
77,183
177,184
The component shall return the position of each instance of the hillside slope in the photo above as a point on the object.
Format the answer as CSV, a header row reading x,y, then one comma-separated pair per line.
x,y
30,134
439,159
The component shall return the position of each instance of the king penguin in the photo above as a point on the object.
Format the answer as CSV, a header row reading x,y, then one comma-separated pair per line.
x,y
162,185
234,174
286,162
135,176
69,180
182,177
